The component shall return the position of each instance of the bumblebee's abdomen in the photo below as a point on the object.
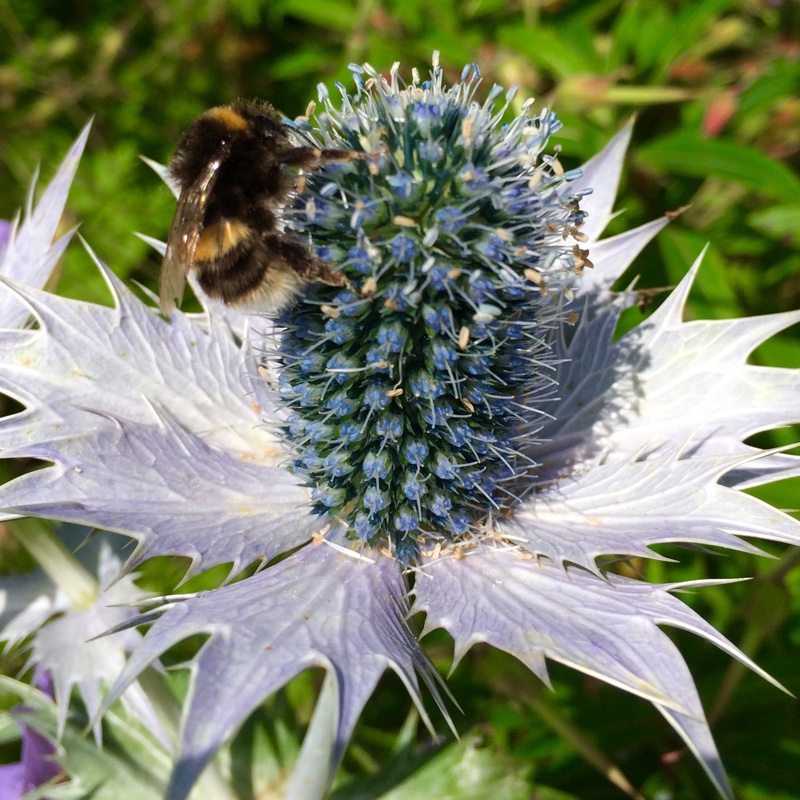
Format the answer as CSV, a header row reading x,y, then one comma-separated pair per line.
x,y
221,238
232,276
248,269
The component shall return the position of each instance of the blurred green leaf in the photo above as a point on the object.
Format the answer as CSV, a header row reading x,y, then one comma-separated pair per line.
x,y
687,27
336,14
713,291
546,49
778,221
782,80
459,771
300,63
638,31
685,153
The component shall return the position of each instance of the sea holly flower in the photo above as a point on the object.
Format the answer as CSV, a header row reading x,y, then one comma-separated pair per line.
x,y
457,425
28,251
56,610
37,765
65,618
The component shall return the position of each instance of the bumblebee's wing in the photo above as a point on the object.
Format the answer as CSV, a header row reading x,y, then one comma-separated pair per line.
x,y
187,225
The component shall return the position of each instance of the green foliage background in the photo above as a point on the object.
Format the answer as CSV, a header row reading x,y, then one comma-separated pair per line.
x,y
716,87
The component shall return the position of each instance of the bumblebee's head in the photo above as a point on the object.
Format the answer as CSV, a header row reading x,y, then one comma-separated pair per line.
x,y
202,141
263,121
250,123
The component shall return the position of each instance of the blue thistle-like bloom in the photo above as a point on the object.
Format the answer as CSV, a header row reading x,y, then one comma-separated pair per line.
x,y
455,358
462,407
37,765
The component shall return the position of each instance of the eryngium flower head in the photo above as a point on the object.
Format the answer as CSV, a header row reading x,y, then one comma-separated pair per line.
x,y
462,407
414,392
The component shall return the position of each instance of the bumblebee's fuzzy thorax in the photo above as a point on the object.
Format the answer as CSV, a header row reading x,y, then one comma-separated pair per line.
x,y
250,178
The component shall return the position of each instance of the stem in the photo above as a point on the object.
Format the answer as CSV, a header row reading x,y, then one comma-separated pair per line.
x,y
313,773
578,740
61,566
762,597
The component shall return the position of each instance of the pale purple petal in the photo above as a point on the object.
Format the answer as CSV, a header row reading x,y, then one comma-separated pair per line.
x,y
6,229
666,384
31,254
695,381
63,651
169,490
762,469
14,781
37,761
26,603
162,170
86,360
316,608
624,506
150,396
601,174
611,257
60,650
604,627
36,766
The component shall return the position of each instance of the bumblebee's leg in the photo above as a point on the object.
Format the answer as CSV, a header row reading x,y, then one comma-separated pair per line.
x,y
305,264
315,157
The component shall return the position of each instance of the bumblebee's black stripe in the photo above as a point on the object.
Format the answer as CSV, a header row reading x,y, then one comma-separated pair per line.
x,y
237,273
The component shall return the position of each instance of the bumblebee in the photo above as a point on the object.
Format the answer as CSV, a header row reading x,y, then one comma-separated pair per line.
x,y
231,168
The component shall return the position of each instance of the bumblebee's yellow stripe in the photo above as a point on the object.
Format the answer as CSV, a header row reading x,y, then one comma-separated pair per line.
x,y
226,116
220,238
